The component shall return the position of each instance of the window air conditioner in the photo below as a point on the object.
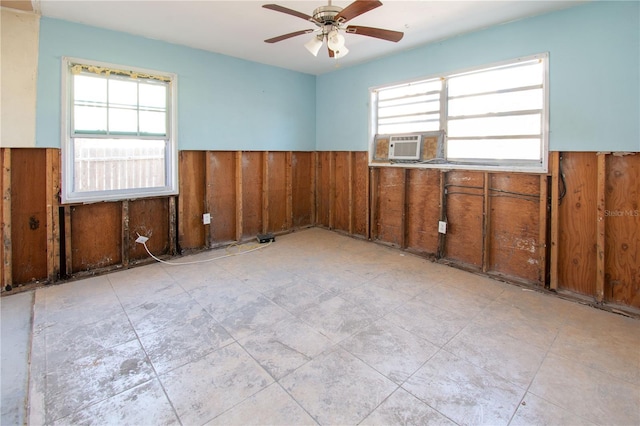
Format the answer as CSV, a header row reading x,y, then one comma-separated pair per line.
x,y
405,147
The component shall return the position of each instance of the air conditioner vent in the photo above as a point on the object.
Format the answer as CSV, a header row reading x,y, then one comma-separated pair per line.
x,y
404,147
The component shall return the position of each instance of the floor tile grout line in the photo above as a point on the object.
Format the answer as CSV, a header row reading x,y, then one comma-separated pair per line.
x,y
144,350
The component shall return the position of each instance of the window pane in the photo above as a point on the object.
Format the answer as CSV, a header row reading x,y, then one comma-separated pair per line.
x,y
153,95
123,120
499,149
496,126
115,164
153,122
387,129
123,92
89,119
497,79
89,89
499,102
408,109
410,89
412,99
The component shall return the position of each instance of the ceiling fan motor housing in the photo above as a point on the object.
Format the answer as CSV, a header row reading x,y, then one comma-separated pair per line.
x,y
325,15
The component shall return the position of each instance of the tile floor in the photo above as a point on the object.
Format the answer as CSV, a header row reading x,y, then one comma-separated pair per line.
x,y
320,328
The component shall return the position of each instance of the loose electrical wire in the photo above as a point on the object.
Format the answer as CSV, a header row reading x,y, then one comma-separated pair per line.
x,y
261,246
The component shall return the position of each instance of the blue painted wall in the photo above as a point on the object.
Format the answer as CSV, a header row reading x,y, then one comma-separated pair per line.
x,y
224,103
594,84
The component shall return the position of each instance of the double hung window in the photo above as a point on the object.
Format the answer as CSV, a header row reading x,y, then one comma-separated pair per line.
x,y
118,133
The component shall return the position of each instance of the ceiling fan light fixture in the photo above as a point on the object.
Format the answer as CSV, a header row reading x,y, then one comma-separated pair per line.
x,y
314,45
340,53
335,40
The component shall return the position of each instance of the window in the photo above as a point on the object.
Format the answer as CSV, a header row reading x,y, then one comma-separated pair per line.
x,y
492,118
118,132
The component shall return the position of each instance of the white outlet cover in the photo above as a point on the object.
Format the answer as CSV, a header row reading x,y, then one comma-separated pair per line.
x,y
442,227
206,219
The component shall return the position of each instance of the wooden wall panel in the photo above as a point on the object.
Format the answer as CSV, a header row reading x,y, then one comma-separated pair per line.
x,y
252,195
96,236
423,210
577,224
361,194
302,164
622,221
191,232
5,218
391,185
221,196
464,210
514,226
343,184
323,189
28,215
277,163
148,217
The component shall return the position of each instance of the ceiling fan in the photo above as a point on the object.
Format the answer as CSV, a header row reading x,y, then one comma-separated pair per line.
x,y
331,21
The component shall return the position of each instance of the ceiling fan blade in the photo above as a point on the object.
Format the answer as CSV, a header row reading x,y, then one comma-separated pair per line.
x,y
286,36
288,11
356,8
389,35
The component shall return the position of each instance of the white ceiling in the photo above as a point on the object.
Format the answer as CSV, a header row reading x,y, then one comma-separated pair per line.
x,y
238,28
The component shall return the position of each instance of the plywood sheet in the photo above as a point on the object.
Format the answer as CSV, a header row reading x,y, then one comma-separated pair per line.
x,y
148,217
277,191
514,226
252,194
423,211
221,195
361,194
391,185
96,236
622,230
191,233
464,210
28,215
302,188
343,184
577,224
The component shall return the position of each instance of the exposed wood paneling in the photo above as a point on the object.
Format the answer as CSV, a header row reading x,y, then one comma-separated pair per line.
x,y
221,196
423,210
28,215
577,224
464,209
96,236
302,188
5,247
341,201
361,194
149,217
391,188
252,195
191,231
277,195
622,216
554,232
323,189
52,188
513,247
600,226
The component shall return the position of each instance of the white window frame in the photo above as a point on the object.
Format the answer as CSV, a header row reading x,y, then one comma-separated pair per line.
x,y
68,193
533,166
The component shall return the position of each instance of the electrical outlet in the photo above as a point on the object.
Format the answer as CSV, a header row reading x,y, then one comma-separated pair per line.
x,y
206,218
442,227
